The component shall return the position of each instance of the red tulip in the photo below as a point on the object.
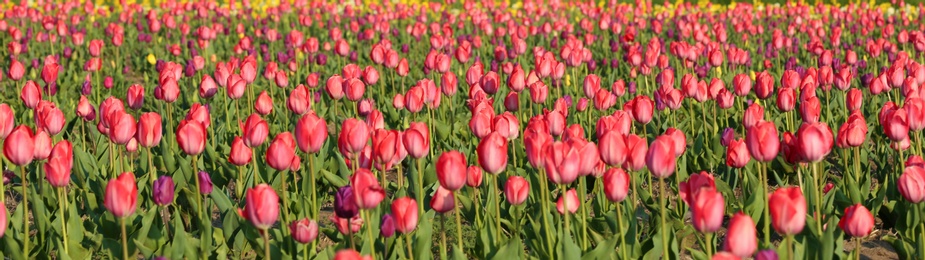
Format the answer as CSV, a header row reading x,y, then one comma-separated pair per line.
x,y
708,208
788,210
240,154
810,109
191,136
58,167
31,94
587,154
612,148
334,86
49,117
281,79
169,90
556,122
637,150
853,99
122,127
592,84
737,155
562,162
310,133
366,189
661,158
121,195
19,147
753,114
911,184
405,212
852,133
516,189
304,231
298,101
350,254
451,170
264,104
50,72
786,99
354,135
762,141
742,85
698,182
7,120
857,221
42,145
741,238
616,184
538,92
135,96
641,108
443,200
492,153
507,125
354,89
281,152
765,85
261,208
481,122
417,140
569,201
255,130
814,141
149,130
17,70
414,99
236,86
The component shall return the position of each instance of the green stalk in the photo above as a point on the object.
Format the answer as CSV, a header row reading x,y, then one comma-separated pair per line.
x,y
420,186
565,212
266,244
408,245
709,244
459,237
664,227
124,239
817,197
442,237
584,213
764,192
62,204
496,194
198,188
620,233
25,206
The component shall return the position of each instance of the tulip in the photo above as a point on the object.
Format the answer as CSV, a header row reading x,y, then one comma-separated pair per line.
x,y
347,226
345,205
737,155
354,135
708,208
19,147
507,125
562,162
122,127
724,256
741,239
135,96
149,130
350,254
911,184
304,230
767,254
474,176
162,192
205,183
895,125
387,226
492,153
7,120
298,101
762,141
452,170
612,148
310,133
264,104
568,200
587,154
443,200
121,195
753,114
58,167
787,210
240,154
857,221
49,117
191,136
31,94
814,141
637,150
661,158
853,99
417,140
255,130
42,145
616,184
366,189
405,212
261,208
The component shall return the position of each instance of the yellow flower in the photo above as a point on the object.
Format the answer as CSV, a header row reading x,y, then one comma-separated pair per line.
x,y
719,71
151,59
568,80
751,74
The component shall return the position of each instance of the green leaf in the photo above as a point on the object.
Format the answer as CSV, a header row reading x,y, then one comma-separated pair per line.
x,y
512,250
604,250
423,238
567,249
335,180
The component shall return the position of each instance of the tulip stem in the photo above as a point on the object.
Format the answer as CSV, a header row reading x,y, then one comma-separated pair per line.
x,y
765,212
544,190
62,204
789,248
25,206
198,189
857,165
818,197
857,248
620,233
661,214
369,231
266,244
124,239
459,238
709,244
420,185
496,193
442,220
153,171
584,213
408,245
311,180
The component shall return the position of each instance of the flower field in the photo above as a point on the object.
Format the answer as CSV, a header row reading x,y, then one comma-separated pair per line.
x,y
462,130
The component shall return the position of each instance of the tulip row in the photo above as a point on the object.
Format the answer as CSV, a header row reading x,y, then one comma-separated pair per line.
x,y
736,159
